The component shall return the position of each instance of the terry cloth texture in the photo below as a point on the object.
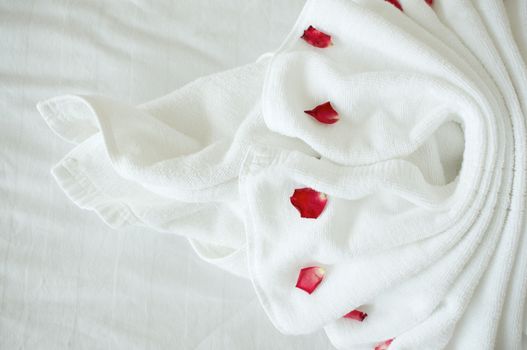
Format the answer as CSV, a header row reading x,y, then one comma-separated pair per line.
x,y
424,173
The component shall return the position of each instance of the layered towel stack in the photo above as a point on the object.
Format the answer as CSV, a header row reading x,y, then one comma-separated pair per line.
x,y
369,176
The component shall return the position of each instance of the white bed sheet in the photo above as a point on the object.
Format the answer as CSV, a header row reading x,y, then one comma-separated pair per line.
x,y
66,280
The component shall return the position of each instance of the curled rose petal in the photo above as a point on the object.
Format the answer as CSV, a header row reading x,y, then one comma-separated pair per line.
x,y
430,2
309,278
384,345
324,113
308,202
356,315
395,3
316,38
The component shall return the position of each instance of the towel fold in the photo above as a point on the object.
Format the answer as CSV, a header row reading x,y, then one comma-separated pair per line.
x,y
423,172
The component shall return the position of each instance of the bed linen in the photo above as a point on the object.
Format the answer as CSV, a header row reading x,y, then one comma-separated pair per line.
x,y
489,298
67,281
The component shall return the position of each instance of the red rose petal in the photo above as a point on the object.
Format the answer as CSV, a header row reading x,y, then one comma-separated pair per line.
x,y
316,38
308,202
384,345
324,113
309,278
395,3
356,315
430,2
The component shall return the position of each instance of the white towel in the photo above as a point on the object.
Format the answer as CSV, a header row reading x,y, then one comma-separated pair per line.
x,y
424,172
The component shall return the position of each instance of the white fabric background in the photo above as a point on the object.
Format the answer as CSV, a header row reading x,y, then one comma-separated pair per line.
x,y
67,281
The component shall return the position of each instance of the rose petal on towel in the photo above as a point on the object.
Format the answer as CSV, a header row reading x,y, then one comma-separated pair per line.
x,y
384,345
309,278
308,202
316,38
324,113
430,2
395,3
356,315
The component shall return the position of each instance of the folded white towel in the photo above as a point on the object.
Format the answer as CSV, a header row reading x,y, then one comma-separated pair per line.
x,y
423,173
